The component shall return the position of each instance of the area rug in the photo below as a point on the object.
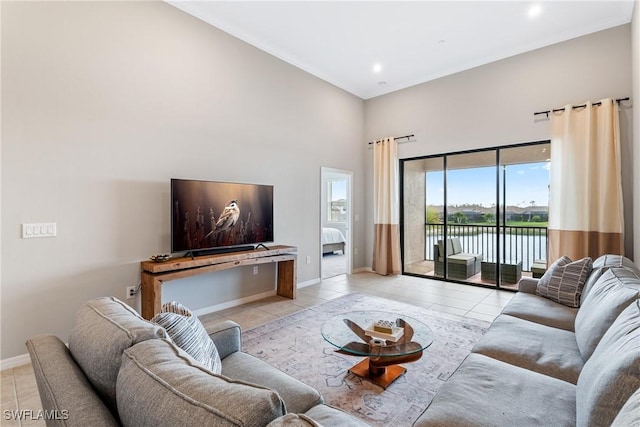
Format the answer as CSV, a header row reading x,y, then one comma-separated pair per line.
x,y
294,345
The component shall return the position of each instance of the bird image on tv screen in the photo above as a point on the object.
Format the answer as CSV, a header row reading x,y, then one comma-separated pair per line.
x,y
208,214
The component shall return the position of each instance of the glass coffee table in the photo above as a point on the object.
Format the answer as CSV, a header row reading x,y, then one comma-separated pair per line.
x,y
385,339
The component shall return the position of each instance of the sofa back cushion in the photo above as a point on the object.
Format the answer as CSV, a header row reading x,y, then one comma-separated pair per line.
x,y
612,374
63,387
456,246
611,294
160,384
601,265
102,330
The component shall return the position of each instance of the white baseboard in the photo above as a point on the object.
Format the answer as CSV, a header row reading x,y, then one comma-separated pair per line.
x,y
308,283
13,362
234,303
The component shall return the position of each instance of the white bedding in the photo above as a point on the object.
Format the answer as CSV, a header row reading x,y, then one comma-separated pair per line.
x,y
332,235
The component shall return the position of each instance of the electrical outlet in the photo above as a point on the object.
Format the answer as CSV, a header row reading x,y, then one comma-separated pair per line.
x,y
308,259
255,269
131,292
355,251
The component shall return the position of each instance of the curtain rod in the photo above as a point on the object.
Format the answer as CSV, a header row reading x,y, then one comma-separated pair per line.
x,y
395,139
576,106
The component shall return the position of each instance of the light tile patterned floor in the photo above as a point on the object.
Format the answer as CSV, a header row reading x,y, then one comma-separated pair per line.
x,y
18,386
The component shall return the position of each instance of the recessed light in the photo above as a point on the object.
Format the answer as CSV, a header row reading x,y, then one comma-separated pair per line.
x,y
535,10
377,67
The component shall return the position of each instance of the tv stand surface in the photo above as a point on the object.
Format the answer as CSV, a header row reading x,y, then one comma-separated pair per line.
x,y
155,273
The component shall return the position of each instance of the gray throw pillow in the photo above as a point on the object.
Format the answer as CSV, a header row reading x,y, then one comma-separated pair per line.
x,y
564,280
188,333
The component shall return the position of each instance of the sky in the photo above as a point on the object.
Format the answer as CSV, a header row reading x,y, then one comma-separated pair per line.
x,y
525,183
338,190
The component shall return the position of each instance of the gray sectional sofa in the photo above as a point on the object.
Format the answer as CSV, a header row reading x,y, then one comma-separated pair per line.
x,y
120,369
542,363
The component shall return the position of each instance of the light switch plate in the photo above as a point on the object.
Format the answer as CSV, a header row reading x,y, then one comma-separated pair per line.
x,y
40,229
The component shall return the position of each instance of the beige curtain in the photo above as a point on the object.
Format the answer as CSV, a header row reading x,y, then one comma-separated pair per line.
x,y
585,206
386,245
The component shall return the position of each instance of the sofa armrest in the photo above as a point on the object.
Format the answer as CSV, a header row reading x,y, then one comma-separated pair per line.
x,y
64,389
528,285
227,336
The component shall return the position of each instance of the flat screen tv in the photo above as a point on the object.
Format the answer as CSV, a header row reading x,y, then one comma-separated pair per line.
x,y
209,216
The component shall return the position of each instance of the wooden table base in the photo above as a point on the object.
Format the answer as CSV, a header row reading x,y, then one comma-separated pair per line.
x,y
379,375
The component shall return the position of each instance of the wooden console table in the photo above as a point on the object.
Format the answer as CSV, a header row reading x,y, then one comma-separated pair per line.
x,y
155,273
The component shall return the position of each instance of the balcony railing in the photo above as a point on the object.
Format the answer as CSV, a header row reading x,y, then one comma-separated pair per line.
x,y
524,244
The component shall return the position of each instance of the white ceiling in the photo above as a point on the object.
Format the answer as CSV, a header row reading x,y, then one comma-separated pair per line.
x,y
414,41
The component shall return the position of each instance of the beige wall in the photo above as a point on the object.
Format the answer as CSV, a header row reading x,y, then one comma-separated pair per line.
x,y
635,55
493,105
102,104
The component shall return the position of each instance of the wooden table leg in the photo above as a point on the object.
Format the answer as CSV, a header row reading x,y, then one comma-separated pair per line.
x,y
151,297
286,285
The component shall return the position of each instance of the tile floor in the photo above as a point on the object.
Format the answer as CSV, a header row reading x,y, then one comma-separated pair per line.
x,y
19,390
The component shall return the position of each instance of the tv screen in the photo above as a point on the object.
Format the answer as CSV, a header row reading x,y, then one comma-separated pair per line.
x,y
209,214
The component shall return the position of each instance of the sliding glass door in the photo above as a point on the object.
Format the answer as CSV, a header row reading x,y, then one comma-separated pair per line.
x,y
476,217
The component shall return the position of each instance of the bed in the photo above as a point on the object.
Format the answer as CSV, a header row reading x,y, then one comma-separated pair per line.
x,y
332,240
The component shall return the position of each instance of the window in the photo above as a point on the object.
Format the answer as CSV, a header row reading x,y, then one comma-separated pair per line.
x,y
486,209
337,203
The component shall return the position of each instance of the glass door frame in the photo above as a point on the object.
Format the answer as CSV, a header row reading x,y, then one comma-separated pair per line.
x,y
500,211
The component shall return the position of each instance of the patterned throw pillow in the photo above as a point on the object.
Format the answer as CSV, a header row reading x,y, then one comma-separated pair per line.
x,y
188,333
563,281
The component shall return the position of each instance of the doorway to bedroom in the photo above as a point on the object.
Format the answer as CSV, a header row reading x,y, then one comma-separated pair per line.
x,y
335,217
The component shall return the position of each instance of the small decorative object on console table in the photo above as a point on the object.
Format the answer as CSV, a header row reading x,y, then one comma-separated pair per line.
x,y
160,258
155,273
405,344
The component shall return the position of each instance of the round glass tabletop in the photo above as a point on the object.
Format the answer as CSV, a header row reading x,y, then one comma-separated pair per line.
x,y
377,333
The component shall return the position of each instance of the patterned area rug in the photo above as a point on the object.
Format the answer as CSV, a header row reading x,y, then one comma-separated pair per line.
x,y
294,345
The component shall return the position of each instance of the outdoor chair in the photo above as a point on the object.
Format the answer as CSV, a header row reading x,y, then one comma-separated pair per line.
x,y
460,265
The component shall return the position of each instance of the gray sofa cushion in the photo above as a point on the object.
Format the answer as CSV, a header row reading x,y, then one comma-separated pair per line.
x,y
611,294
629,415
227,336
294,420
563,283
297,396
487,392
187,332
541,310
609,261
612,374
463,259
102,330
330,416
602,264
63,387
159,384
532,346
